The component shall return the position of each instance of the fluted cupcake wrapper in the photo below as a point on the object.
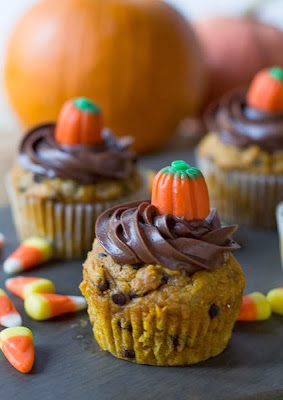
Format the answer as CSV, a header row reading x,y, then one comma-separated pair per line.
x,y
241,197
159,335
279,219
68,226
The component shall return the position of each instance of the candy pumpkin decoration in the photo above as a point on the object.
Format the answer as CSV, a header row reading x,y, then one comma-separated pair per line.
x,y
181,190
266,90
79,122
139,60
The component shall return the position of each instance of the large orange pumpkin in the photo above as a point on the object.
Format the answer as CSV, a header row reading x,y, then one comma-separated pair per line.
x,y
138,59
236,49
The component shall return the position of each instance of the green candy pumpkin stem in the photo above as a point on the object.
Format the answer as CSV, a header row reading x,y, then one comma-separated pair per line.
x,y
84,104
276,73
181,168
180,165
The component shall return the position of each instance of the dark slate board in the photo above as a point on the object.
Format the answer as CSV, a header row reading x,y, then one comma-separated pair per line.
x,y
70,365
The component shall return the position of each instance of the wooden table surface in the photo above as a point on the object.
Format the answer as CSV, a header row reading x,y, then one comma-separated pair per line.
x,y
70,365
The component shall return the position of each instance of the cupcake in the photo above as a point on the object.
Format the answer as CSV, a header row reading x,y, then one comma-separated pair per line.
x,y
242,155
67,173
161,284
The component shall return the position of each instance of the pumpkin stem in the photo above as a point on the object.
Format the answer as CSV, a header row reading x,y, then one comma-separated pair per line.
x,y
84,104
180,166
276,73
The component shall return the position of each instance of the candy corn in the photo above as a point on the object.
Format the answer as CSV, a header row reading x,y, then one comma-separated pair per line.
x,y
17,345
23,286
30,253
9,316
275,299
41,306
2,240
255,307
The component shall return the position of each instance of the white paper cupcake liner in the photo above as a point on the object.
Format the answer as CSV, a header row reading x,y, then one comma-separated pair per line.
x,y
68,226
241,197
279,219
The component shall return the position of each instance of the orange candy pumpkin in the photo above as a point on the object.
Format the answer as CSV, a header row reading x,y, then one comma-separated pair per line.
x,y
266,90
79,122
181,190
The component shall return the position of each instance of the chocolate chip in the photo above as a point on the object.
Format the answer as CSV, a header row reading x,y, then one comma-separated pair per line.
x,y
129,354
129,327
137,266
22,189
175,340
102,255
165,278
213,311
119,298
125,325
38,178
257,161
103,285
133,296
53,198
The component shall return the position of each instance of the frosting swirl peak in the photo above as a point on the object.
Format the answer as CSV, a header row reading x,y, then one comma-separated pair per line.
x,y
137,233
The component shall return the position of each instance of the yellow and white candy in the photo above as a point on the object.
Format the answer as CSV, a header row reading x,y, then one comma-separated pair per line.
x,y
275,299
42,306
23,286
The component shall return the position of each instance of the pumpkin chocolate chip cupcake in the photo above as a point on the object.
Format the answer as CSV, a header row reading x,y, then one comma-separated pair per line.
x,y
242,155
161,284
67,173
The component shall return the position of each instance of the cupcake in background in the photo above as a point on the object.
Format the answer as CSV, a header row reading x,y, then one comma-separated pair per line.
x,y
242,155
67,173
161,284
279,218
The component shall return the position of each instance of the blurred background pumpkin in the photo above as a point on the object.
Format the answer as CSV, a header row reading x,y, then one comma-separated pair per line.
x,y
138,59
235,49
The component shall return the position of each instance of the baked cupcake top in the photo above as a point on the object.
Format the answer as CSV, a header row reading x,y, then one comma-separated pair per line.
x,y
251,116
176,230
78,147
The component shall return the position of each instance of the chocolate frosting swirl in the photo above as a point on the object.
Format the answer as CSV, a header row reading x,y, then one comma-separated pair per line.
x,y
137,233
240,125
40,153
